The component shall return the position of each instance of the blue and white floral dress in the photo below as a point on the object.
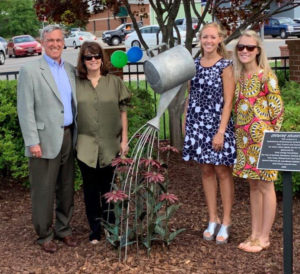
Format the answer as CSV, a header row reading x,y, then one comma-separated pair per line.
x,y
204,115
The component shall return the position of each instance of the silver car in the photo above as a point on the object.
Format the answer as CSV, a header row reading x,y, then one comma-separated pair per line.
x,y
4,43
2,54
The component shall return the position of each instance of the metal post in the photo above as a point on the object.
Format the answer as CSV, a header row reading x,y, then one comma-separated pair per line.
x,y
287,222
108,20
262,32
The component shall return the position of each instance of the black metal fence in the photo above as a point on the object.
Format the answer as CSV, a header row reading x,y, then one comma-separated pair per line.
x,y
281,63
133,73
11,75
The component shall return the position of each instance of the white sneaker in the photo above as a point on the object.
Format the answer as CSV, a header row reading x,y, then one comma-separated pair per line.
x,y
94,242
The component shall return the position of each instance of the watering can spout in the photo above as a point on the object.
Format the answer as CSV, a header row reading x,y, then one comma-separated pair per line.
x,y
165,99
154,122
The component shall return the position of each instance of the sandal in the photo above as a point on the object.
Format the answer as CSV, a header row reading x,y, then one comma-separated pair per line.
x,y
245,243
223,232
254,246
212,229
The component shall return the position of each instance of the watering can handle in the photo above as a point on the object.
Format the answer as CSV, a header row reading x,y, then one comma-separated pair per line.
x,y
149,51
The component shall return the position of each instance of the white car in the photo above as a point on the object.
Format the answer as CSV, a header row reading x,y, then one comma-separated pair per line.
x,y
76,39
2,54
149,34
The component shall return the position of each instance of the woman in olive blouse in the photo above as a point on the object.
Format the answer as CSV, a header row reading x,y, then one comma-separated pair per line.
x,y
102,130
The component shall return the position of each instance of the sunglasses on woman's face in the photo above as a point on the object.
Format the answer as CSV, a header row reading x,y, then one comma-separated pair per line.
x,y
241,47
90,57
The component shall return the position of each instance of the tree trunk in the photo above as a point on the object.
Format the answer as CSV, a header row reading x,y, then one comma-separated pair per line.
x,y
175,112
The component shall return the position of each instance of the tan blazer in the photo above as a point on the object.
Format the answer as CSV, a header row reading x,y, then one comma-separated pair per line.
x,y
40,109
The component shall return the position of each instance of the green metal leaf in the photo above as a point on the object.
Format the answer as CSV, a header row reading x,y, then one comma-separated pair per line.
x,y
159,230
160,219
158,207
172,209
112,242
174,234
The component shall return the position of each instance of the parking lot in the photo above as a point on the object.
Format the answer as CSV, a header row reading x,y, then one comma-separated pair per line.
x,y
70,54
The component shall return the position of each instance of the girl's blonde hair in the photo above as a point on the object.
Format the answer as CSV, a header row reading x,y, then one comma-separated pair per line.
x,y
261,58
221,32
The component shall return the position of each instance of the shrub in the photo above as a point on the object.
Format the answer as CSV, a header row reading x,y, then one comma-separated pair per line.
x,y
12,161
141,109
14,164
282,79
291,98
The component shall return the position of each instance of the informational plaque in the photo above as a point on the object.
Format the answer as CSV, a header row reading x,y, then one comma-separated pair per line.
x,y
280,151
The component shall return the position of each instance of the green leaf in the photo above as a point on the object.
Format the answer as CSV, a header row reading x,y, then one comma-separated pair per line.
x,y
171,210
159,230
112,242
150,229
123,243
174,234
146,244
163,188
138,188
158,206
160,218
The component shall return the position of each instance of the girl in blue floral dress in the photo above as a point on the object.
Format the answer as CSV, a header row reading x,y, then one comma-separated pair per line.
x,y
209,130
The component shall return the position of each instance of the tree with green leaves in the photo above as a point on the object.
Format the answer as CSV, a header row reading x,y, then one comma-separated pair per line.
x,y
234,15
18,17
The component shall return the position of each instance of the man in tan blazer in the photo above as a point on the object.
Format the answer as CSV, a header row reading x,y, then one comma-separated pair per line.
x,y
47,111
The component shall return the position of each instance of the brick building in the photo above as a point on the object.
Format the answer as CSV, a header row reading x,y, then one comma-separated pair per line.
x,y
106,20
294,52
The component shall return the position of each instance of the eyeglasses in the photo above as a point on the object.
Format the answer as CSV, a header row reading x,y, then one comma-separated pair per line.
x,y
90,57
241,47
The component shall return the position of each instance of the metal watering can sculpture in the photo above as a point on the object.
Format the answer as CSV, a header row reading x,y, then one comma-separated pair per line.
x,y
166,73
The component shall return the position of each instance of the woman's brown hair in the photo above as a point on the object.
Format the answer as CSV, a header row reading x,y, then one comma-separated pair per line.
x,y
90,47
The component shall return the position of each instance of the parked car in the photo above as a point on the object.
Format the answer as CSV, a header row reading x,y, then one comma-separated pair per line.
x,y
76,39
76,29
149,34
182,22
23,45
281,26
116,36
296,20
2,54
4,43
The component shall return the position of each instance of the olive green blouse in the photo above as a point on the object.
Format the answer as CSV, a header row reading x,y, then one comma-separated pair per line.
x,y
99,119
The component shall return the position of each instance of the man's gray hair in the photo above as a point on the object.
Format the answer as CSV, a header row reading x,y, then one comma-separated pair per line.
x,y
49,29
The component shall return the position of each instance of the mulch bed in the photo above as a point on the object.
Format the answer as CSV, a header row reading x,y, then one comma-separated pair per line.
x,y
189,253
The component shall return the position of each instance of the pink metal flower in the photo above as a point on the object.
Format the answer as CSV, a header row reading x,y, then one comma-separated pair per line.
x,y
154,177
123,169
168,197
150,162
122,161
115,196
168,148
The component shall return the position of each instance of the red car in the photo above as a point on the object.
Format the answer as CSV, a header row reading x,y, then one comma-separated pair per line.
x,y
23,45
